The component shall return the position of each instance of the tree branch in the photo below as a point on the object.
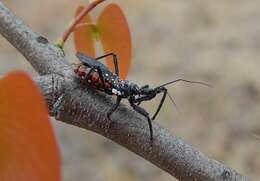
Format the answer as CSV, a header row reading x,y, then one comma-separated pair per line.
x,y
87,108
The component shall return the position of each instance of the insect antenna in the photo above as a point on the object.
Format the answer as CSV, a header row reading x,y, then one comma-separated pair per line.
x,y
180,80
187,81
173,102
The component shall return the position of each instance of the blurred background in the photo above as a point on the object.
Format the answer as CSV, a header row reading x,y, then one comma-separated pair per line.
x,y
217,42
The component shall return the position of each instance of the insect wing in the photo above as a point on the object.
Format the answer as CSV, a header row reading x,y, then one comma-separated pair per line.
x,y
90,62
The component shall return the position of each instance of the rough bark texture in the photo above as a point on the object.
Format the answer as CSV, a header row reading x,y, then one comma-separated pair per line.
x,y
86,108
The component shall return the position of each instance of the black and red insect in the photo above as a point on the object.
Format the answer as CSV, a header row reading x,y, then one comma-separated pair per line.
x,y
97,75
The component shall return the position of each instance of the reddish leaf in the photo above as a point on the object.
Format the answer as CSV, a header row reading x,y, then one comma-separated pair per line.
x,y
115,37
83,39
28,150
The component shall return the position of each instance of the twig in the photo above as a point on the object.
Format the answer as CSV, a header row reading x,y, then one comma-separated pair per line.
x,y
87,108
75,22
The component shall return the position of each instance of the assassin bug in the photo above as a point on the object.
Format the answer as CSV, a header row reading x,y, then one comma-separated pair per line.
x,y
97,75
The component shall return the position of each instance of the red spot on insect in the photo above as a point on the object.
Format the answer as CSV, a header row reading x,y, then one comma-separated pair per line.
x,y
80,70
81,73
107,85
94,77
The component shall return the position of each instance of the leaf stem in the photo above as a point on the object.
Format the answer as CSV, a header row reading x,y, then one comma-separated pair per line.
x,y
61,41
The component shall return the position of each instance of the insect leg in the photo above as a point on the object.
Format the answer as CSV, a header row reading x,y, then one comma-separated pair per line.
x,y
110,112
151,96
143,87
164,90
146,86
114,61
145,114
143,98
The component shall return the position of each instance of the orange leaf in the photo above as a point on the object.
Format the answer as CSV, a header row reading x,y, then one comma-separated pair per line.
x,y
115,37
83,39
28,150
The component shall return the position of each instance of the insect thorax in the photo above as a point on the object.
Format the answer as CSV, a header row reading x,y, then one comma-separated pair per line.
x,y
128,88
